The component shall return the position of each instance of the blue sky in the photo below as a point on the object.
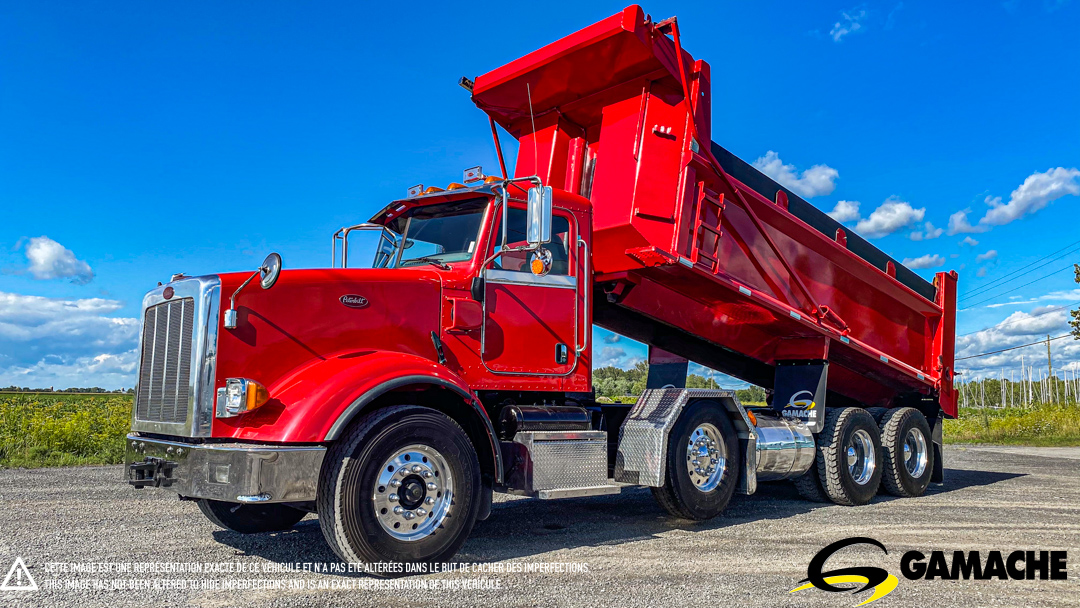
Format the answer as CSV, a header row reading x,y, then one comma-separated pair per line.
x,y
144,139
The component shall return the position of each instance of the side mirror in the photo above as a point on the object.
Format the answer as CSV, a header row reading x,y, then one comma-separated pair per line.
x,y
269,271
538,231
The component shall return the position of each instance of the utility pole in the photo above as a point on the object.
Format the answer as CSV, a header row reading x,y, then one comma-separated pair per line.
x,y
1049,367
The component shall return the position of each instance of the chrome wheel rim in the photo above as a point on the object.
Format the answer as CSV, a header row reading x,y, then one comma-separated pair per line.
x,y
413,493
861,459
915,453
706,457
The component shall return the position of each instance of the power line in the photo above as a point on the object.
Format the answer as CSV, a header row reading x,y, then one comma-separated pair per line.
x,y
996,296
994,352
1002,280
1000,325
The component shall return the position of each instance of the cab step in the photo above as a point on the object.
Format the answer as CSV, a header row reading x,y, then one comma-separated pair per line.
x,y
556,493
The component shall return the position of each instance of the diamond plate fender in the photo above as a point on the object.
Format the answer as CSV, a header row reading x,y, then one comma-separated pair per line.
x,y
643,437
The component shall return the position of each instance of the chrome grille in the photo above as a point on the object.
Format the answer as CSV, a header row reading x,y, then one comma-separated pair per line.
x,y
165,367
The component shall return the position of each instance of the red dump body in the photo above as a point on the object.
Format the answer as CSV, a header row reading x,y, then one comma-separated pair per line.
x,y
694,251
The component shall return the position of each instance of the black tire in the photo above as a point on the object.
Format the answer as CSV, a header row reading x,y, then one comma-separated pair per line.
x,y
842,425
347,514
877,413
250,518
809,486
897,479
679,495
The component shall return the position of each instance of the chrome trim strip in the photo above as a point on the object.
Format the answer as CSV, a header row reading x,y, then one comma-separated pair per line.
x,y
512,277
206,291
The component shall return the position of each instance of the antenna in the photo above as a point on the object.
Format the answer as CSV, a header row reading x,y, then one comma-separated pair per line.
x,y
532,117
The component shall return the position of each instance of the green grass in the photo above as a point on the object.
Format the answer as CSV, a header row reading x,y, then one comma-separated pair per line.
x,y
42,430
1040,425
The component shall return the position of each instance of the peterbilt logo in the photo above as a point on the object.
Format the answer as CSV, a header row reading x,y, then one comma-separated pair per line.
x,y
354,301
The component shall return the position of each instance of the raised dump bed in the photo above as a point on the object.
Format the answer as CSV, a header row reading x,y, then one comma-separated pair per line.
x,y
695,251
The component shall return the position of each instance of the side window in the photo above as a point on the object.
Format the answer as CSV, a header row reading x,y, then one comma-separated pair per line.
x,y
559,246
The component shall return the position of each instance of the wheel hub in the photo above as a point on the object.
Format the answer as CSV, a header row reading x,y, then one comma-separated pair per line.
x,y
861,457
706,457
413,493
916,454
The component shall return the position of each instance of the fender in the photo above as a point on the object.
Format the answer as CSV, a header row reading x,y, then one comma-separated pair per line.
x,y
316,402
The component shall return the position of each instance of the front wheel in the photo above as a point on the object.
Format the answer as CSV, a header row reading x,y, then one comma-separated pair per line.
x,y
250,518
702,463
401,486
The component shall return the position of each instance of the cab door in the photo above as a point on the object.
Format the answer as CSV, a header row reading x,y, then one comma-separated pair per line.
x,y
529,320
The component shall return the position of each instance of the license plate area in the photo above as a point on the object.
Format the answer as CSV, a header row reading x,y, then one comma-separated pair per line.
x,y
152,471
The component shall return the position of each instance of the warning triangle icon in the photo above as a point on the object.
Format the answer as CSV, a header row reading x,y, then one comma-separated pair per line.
x,y
18,578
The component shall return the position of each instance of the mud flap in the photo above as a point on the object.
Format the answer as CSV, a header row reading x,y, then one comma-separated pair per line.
x,y
799,391
938,474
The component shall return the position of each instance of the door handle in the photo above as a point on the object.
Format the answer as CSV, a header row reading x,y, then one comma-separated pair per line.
x,y
561,353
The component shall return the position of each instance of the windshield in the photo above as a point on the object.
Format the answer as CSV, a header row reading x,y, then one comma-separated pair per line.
x,y
434,234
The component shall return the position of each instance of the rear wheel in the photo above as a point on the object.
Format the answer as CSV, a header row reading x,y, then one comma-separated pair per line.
x,y
702,463
250,518
402,486
848,458
907,452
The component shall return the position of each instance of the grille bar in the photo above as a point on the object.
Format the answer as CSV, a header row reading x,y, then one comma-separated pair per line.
x,y
165,367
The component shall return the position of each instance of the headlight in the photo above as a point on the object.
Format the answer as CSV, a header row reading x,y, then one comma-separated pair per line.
x,y
240,395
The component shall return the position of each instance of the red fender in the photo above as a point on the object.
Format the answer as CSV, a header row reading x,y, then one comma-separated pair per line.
x,y
316,402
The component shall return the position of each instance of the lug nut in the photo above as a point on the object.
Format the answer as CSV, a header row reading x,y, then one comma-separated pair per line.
x,y
431,486
430,500
393,497
395,483
409,515
426,474
398,510
696,463
417,468
421,512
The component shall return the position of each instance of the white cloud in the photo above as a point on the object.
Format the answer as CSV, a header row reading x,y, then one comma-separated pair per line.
x,y
924,261
959,224
850,22
50,341
1017,329
612,338
1037,191
815,181
969,241
989,255
51,260
845,211
929,233
981,272
894,214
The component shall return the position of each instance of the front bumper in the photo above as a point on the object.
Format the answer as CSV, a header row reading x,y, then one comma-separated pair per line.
x,y
231,472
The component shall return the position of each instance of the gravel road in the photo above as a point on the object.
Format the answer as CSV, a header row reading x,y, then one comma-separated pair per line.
x,y
603,551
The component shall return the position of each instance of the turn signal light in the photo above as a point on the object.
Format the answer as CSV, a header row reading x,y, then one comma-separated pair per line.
x,y
752,417
240,395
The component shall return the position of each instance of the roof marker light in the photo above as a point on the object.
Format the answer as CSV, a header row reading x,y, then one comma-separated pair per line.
x,y
416,190
473,174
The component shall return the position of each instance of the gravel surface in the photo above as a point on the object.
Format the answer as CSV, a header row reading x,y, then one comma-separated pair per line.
x,y
620,550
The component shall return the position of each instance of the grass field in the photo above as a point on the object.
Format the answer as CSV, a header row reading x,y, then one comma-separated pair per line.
x,y
41,430
1041,425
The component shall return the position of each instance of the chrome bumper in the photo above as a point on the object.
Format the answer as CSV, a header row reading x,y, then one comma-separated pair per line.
x,y
231,472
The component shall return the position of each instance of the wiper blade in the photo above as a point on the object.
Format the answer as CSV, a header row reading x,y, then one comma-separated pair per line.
x,y
434,262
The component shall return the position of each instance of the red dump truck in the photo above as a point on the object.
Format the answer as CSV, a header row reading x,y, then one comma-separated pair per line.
x,y
394,399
